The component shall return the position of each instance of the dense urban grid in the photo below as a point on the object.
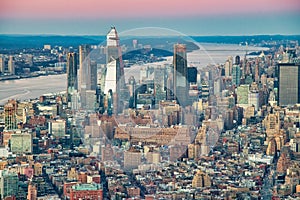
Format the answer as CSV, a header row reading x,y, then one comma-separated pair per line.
x,y
174,131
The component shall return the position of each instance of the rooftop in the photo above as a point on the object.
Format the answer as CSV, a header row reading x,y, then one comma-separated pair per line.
x,y
82,187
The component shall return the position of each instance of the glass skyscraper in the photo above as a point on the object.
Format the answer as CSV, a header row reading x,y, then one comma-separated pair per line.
x,y
288,83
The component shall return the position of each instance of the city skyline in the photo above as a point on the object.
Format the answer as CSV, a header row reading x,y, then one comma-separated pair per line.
x,y
195,18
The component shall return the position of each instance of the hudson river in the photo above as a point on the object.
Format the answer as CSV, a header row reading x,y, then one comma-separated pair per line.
x,y
31,88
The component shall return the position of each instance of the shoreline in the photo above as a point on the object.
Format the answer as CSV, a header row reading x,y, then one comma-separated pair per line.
x,y
32,87
22,77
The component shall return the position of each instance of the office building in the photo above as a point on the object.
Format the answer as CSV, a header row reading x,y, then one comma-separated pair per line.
x,y
217,86
32,192
2,64
21,143
11,65
288,83
253,99
201,179
114,74
71,75
132,159
10,116
132,92
9,183
236,75
228,66
242,92
159,84
237,60
180,88
84,72
93,75
57,128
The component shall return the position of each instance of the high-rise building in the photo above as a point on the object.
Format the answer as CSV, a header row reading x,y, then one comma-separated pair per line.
x,y
10,116
2,64
9,183
236,75
201,179
71,75
114,78
242,92
57,128
217,86
288,83
93,75
132,92
159,84
84,72
32,192
237,60
204,90
253,99
21,143
11,65
132,159
227,68
192,74
180,74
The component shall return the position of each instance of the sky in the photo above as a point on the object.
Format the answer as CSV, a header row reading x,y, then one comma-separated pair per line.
x,y
191,17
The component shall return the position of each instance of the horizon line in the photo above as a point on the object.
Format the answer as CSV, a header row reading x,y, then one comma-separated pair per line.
x,y
99,35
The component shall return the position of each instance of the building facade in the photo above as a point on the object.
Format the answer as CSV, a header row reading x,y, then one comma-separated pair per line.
x,y
288,83
71,75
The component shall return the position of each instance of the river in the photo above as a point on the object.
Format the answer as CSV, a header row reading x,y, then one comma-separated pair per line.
x,y
31,88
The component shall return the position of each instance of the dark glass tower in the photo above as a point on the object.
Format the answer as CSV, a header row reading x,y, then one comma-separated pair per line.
x,y
180,74
71,75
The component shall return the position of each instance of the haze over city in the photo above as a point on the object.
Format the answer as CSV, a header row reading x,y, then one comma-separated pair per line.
x,y
192,17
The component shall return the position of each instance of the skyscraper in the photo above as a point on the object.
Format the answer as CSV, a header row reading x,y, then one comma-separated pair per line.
x,y
2,64
84,67
236,75
288,83
132,93
114,78
11,65
87,75
180,88
9,182
93,75
237,60
71,75
10,118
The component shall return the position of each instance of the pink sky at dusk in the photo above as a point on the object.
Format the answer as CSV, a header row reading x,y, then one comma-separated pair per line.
x,y
72,9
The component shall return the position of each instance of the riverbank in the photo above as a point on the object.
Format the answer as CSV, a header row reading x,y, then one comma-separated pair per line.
x,y
33,87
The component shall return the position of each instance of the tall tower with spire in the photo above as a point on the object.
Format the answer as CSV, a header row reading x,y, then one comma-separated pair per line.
x,y
114,78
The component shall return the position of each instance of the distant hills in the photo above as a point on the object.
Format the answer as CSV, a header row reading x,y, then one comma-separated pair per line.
x,y
30,41
37,41
251,39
